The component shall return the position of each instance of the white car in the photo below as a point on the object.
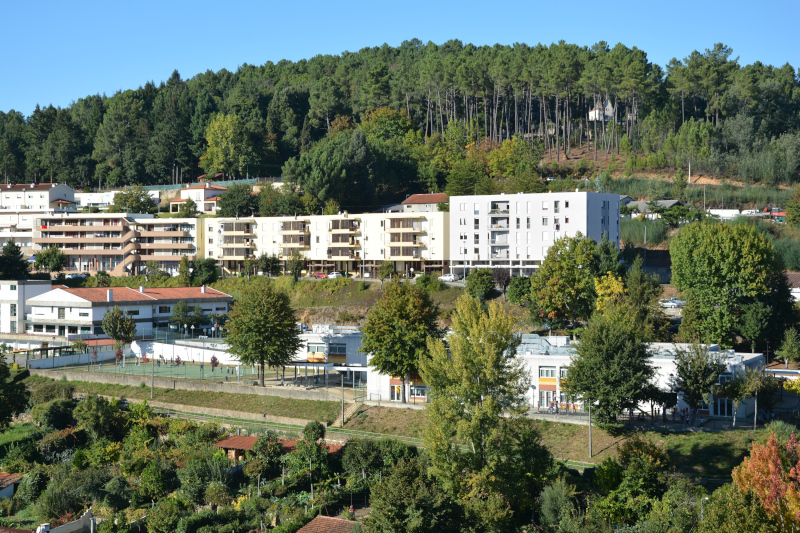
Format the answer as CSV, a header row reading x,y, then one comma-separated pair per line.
x,y
449,277
334,275
668,304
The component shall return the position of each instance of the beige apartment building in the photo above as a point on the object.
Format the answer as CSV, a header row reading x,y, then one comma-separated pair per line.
x,y
119,243
353,243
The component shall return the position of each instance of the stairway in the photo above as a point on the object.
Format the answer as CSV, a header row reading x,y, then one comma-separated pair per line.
x,y
349,410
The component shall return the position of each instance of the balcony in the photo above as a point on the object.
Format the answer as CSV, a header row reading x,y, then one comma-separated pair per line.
x,y
499,211
237,228
163,233
344,226
295,228
295,244
165,245
166,258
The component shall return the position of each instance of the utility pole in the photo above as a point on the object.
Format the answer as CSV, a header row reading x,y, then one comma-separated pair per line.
x,y
590,429
342,380
152,376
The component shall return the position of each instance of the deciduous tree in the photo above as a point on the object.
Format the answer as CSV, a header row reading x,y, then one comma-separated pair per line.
x,y
119,326
397,329
262,328
13,396
51,259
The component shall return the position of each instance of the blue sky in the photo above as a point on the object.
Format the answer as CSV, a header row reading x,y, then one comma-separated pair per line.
x,y
55,52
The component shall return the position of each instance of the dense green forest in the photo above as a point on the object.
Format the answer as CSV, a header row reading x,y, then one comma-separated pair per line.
x,y
371,126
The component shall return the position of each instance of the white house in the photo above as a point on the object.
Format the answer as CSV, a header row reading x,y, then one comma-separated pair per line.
x,y
9,484
514,231
14,296
104,199
206,196
424,203
71,313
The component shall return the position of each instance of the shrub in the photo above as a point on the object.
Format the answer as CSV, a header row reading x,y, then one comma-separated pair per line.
x,y
31,487
556,502
480,283
429,283
54,390
55,414
363,285
519,290
118,493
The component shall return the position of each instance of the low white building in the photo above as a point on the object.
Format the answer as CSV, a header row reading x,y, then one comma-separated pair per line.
x,y
105,199
206,196
14,296
38,196
71,313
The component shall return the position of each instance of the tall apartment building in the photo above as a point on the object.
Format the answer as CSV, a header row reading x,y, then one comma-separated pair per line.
x,y
17,226
118,243
342,242
514,231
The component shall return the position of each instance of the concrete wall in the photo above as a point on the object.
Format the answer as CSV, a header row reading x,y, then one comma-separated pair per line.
x,y
81,524
69,360
164,383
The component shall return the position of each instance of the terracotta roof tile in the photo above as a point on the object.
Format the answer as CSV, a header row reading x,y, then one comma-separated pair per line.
x,y
426,198
176,200
237,443
6,479
328,524
794,279
205,186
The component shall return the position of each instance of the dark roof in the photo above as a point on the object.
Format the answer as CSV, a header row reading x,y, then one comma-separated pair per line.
x,y
28,186
6,480
237,443
328,524
12,530
426,198
794,279
644,207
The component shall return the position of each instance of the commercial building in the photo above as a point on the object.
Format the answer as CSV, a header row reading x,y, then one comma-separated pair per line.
x,y
413,242
67,312
515,231
119,243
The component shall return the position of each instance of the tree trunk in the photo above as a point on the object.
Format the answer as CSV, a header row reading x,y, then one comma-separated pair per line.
x,y
261,375
403,391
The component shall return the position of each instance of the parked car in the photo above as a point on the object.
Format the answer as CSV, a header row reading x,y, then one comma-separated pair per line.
x,y
320,275
449,277
668,304
334,275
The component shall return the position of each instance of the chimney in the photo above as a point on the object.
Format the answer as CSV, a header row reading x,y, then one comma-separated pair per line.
x,y
203,289
109,295
141,289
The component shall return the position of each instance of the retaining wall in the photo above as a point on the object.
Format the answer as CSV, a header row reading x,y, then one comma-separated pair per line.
x,y
166,383
208,411
70,360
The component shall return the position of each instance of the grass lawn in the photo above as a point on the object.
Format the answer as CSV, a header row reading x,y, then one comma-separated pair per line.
x,y
392,420
250,403
19,432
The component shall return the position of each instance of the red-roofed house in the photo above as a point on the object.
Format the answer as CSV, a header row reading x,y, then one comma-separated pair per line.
x,y
65,312
329,524
424,203
9,484
205,195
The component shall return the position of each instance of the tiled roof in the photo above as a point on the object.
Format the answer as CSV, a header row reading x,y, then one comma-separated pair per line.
x,y
178,200
12,530
6,480
794,279
213,199
328,524
426,198
237,443
206,186
128,294
61,201
288,446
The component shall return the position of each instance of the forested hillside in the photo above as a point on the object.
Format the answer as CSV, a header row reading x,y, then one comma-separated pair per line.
x,y
371,126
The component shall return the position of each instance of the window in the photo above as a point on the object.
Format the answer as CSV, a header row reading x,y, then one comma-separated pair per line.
x,y
545,205
211,228
338,349
477,209
13,327
546,397
83,315
85,330
547,371
517,223
220,309
545,236
528,225
72,330
316,348
477,224
476,239
13,287
133,312
210,241
61,313
477,251
566,204
163,309
50,328
13,309
419,391
544,221
563,371
566,220
462,221
38,328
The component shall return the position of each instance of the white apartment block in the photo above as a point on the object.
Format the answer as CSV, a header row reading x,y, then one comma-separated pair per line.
x,y
119,243
514,231
68,313
103,200
353,243
17,226
39,196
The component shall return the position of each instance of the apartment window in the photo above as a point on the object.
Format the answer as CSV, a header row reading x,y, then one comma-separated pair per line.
x,y
566,220
476,239
134,312
545,205
555,205
477,251
38,328
83,315
211,228
462,221
566,204
50,328
545,236
163,309
547,371
528,223
477,210
13,287
220,309
72,330
316,348
13,309
544,221
563,371
517,223
477,224
317,239
61,313
13,327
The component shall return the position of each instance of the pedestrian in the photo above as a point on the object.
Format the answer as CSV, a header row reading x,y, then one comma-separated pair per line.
x,y
550,409
100,366
701,421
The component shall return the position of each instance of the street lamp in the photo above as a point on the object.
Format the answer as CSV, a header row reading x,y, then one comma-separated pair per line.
x,y
185,330
192,331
